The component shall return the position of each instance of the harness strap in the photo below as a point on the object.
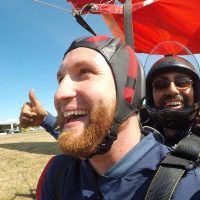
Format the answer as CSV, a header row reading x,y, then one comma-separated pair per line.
x,y
128,26
185,157
83,23
164,183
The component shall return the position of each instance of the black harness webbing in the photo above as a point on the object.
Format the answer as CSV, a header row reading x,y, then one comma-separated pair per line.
x,y
81,21
185,157
84,24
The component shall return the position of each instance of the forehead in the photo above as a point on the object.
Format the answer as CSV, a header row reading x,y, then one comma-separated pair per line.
x,y
83,55
171,75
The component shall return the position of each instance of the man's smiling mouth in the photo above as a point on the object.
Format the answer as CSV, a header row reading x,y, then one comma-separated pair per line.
x,y
74,115
173,104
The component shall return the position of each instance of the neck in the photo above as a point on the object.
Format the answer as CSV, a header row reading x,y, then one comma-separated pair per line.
x,y
128,136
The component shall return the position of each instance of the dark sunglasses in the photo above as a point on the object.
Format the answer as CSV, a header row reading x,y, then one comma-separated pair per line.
x,y
180,83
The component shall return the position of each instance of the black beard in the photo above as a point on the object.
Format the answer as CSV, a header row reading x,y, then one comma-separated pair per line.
x,y
86,144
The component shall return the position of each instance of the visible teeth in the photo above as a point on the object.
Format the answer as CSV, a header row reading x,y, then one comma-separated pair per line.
x,y
173,103
76,112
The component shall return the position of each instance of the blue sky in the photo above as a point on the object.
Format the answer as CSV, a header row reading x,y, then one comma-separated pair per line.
x,y
33,38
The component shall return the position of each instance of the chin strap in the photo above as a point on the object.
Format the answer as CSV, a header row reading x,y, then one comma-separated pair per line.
x,y
174,119
123,112
110,138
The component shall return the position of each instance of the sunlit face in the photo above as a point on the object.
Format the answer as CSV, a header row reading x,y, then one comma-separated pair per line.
x,y
173,97
85,101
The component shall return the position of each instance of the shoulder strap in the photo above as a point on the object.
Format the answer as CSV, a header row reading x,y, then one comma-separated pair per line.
x,y
185,157
58,176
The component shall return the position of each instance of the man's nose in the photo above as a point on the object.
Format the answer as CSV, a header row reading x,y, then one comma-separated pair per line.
x,y
66,89
173,89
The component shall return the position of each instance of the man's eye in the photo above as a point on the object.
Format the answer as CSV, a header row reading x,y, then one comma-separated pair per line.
x,y
85,71
59,80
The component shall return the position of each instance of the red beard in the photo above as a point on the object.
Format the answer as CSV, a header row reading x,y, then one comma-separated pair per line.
x,y
86,144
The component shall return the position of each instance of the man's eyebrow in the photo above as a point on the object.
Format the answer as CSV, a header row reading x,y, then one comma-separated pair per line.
x,y
161,77
182,75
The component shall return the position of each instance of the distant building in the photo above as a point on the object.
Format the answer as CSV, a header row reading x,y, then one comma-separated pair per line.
x,y
11,126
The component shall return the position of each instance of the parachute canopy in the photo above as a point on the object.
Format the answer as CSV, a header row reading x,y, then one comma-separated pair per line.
x,y
153,21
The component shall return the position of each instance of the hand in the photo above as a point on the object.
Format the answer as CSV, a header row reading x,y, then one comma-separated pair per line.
x,y
32,113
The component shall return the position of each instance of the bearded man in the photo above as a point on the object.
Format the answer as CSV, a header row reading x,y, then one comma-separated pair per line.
x,y
173,97
101,89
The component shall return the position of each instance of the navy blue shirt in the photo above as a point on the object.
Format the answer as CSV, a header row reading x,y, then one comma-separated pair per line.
x,y
128,179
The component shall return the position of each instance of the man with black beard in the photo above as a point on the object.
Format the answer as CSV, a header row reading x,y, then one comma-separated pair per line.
x,y
101,89
173,97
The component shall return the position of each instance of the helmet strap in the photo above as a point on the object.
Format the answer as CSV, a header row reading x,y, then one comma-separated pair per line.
x,y
124,110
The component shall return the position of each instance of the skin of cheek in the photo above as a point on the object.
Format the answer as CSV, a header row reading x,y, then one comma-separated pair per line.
x,y
156,97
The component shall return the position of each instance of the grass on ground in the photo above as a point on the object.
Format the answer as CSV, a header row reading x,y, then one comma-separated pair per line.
x,y
23,157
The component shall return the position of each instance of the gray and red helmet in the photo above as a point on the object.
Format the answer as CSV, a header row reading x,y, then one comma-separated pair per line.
x,y
128,74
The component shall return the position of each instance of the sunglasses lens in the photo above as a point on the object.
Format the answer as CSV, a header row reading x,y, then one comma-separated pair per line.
x,y
183,82
161,84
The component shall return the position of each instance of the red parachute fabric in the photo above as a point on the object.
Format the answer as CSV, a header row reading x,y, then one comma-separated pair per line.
x,y
155,21
79,4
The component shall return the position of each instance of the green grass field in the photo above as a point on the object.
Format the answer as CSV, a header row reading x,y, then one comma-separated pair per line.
x,y
23,156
